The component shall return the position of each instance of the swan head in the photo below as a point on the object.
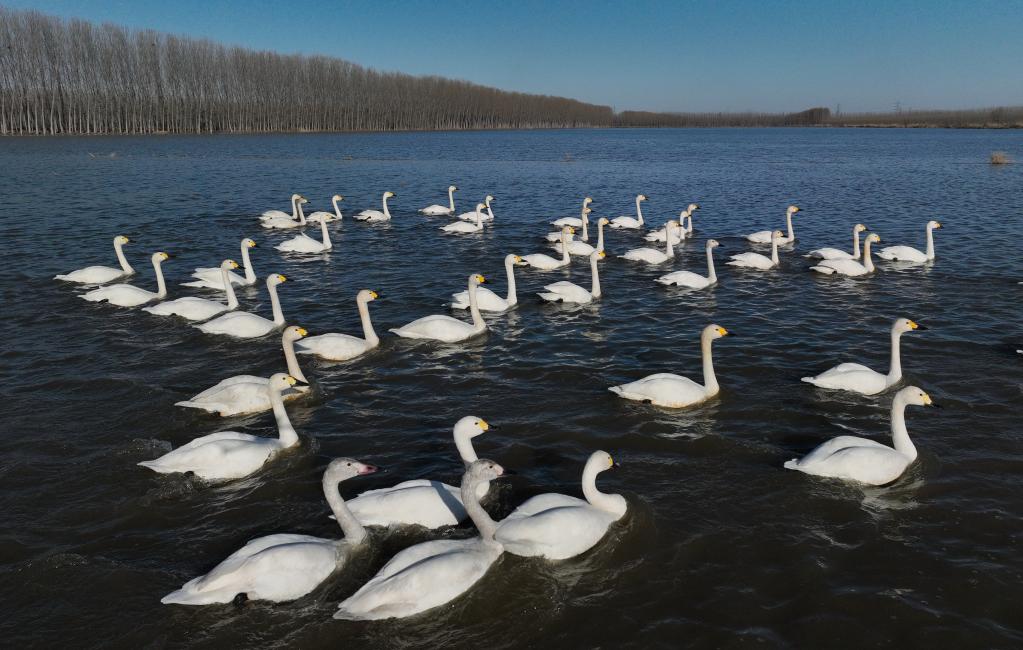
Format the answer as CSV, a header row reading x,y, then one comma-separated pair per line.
x,y
480,207
160,257
568,230
337,197
915,396
389,195
597,255
228,265
302,199
295,197
712,243
603,221
366,295
874,237
294,333
776,235
793,209
600,461
516,260
282,381
341,469
715,331
933,224
641,197
859,228
121,240
693,207
274,279
488,198
452,188
476,279
470,426
483,470
587,201
906,325
248,243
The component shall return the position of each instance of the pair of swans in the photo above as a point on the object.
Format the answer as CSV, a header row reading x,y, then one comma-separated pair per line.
x,y
546,262
910,254
694,280
862,460
440,327
478,213
246,325
766,236
465,227
757,261
576,247
303,243
858,378
342,347
685,232
375,216
321,216
279,220
486,299
436,210
838,254
674,391
850,267
630,223
569,292
212,278
652,255
245,394
231,455
196,309
127,295
102,274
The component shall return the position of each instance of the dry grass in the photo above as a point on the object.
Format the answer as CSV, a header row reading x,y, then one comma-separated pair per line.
x,y
1000,158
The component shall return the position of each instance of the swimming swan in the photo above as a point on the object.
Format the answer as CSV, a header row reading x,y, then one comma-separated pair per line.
x,y
441,327
127,295
666,389
576,222
101,274
557,526
192,308
756,260
303,243
487,299
568,292
631,223
342,347
465,226
910,254
850,268
694,280
245,325
652,255
483,216
838,254
283,221
546,262
764,236
441,210
852,458
228,454
681,233
858,378
211,278
373,216
321,216
276,214
433,573
284,566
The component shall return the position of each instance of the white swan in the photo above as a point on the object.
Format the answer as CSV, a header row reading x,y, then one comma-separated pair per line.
x,y
666,389
694,280
442,210
322,216
631,223
441,327
852,458
839,254
764,236
228,454
483,216
555,237
101,274
688,231
575,222
487,299
681,233
276,214
581,247
303,243
245,325
652,255
546,262
465,226
285,222
858,378
245,394
283,566
211,277
423,502
127,295
376,215
342,347
756,260
910,254
557,526
569,292
851,268
192,308
433,573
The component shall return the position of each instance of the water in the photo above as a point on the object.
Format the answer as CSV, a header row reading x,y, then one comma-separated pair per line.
x,y
721,548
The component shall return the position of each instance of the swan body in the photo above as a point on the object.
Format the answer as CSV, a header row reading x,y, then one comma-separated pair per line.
x,y
847,267
546,262
910,254
694,280
283,221
838,254
373,216
303,243
580,247
862,460
196,309
558,527
282,567
756,260
487,299
575,222
652,255
440,327
483,216
213,278
245,325
764,236
321,216
342,347
569,292
442,210
275,214
101,274
674,391
228,454
433,573
861,379
466,227
681,234
127,295
630,223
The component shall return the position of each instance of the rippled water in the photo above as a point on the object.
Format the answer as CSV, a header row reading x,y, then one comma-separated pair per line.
x,y
721,548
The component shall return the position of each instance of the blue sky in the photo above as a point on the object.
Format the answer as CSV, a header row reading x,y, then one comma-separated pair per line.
x,y
729,55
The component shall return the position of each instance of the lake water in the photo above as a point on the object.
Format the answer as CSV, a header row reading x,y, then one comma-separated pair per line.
x,y
721,547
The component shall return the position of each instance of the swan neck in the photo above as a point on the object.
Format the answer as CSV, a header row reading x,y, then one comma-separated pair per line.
x,y
710,380
594,496
479,516
118,249
490,210
711,273
225,277
639,212
895,366
774,251
564,247
509,269
294,208
586,232
466,451
595,283
161,285
250,273
474,309
292,360
451,200
353,530
856,243
600,236
337,209
301,213
287,434
868,263
275,304
900,435
387,213
930,242
367,325
689,228
788,223
668,248
325,233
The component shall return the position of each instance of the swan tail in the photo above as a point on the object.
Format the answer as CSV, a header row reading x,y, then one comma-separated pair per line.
x,y
189,404
823,269
617,390
792,464
188,595
62,277
809,380
155,465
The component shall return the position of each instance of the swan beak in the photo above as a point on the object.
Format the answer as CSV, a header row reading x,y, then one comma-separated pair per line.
x,y
252,244
368,469
483,425
291,381
374,295
281,278
723,332
938,226
302,332
916,326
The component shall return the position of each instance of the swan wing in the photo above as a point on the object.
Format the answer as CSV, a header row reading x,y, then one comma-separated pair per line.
x,y
663,389
217,456
541,502
189,307
851,376
830,254
92,275
239,323
566,292
436,210
842,267
760,237
301,244
281,223
902,254
567,221
333,346
871,464
828,448
460,226
648,255
122,295
485,298
684,279
751,261
625,222
437,326
556,533
542,262
433,504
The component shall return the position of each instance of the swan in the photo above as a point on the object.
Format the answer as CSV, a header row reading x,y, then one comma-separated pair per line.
x,y
228,454
487,299
377,215
440,210
440,327
466,227
910,254
584,221
546,262
211,278
276,214
127,295
764,236
581,247
342,347
432,573
694,280
423,502
756,260
192,308
245,325
652,255
283,221
666,389
283,566
861,379
557,526
483,216
101,274
245,394
687,232
852,458
850,268
839,254
569,292
631,223
575,222
321,216
303,243
681,233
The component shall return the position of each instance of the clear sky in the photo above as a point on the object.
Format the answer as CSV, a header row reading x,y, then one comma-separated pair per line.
x,y
725,55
